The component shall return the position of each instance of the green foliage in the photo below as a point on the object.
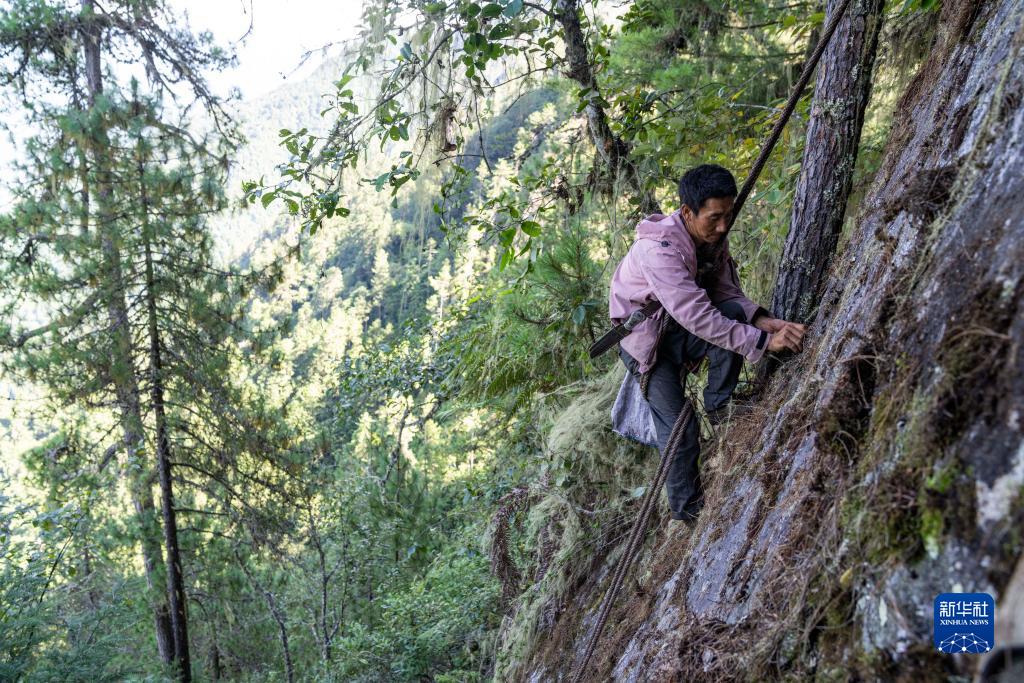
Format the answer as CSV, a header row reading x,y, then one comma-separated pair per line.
x,y
909,6
436,623
44,636
533,337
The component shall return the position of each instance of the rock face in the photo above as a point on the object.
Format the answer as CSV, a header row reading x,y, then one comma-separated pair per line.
x,y
886,464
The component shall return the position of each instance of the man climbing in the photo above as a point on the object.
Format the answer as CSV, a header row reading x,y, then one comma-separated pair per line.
x,y
683,261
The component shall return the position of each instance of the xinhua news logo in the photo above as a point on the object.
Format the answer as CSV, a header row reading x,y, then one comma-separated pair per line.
x,y
964,623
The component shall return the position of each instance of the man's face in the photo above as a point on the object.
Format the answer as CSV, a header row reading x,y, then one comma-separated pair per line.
x,y
710,224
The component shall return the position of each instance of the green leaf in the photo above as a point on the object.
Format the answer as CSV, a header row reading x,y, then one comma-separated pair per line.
x,y
500,31
513,8
579,314
267,198
531,228
506,257
475,42
491,10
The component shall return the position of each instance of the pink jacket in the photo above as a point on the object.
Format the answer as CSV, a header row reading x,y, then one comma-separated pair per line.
x,y
662,264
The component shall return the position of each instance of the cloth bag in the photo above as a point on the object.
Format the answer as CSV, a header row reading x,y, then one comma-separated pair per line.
x,y
631,414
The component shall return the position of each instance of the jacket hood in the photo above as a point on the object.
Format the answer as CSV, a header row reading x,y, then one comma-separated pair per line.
x,y
670,228
658,224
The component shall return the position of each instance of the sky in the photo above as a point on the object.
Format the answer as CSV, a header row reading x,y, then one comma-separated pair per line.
x,y
271,54
282,30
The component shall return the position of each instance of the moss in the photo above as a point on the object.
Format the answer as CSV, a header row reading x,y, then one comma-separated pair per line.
x,y
834,635
916,421
897,537
942,477
931,526
883,518
833,674
902,517
572,528
867,660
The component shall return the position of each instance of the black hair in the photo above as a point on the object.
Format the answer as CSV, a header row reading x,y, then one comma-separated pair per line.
x,y
704,182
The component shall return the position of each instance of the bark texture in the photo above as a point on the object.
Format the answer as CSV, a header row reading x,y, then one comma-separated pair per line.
x,y
841,94
885,463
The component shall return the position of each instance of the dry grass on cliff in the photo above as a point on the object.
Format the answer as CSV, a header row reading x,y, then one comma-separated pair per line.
x,y
580,511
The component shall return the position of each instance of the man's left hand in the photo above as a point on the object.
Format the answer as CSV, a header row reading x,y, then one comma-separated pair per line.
x,y
772,325
768,324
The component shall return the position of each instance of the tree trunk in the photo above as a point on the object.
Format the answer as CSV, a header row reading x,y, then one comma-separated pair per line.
x,y
841,95
175,583
123,374
611,149
152,562
215,668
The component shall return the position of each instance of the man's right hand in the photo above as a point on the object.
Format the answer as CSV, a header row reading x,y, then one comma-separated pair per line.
x,y
787,337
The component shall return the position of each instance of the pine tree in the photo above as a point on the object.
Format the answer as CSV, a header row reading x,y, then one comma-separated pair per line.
x,y
108,252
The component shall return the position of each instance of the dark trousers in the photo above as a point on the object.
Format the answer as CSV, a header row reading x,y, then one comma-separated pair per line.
x,y
677,349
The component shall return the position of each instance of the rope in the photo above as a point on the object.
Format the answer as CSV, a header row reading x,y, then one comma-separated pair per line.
x,y
679,427
639,530
798,89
